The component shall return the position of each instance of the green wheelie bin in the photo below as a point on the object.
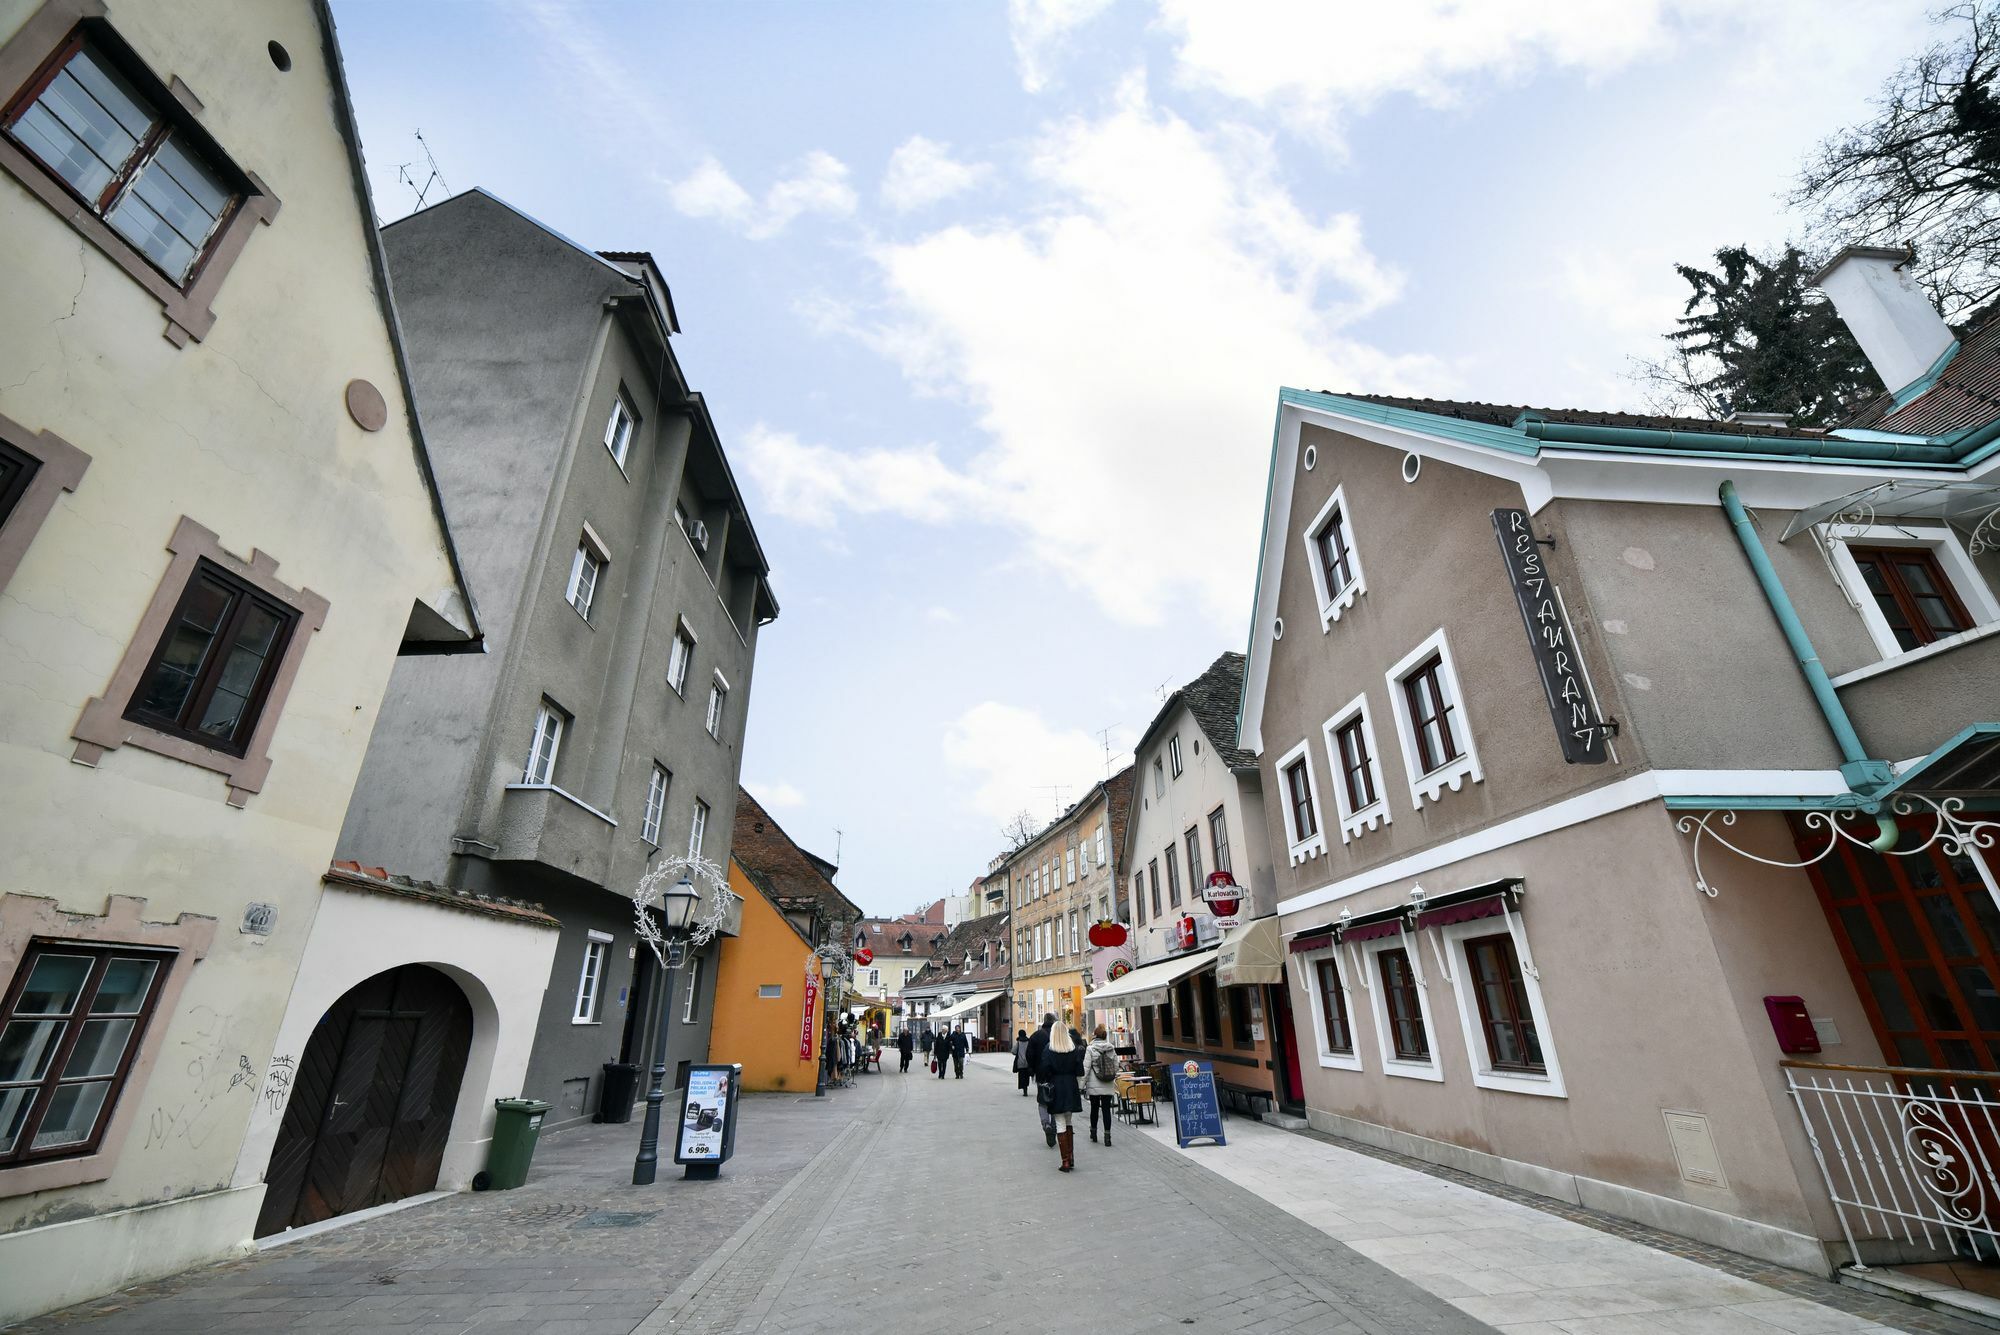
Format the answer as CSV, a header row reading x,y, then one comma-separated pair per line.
x,y
517,1125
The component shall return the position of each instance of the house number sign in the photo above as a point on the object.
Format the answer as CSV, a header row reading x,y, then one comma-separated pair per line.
x,y
1581,734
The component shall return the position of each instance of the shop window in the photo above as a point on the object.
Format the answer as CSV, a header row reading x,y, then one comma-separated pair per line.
x,y
1211,1009
1184,1008
1402,1013
1239,1017
1500,1007
102,141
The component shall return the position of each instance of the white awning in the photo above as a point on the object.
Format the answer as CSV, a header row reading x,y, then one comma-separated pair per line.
x,y
970,1004
1148,986
1250,953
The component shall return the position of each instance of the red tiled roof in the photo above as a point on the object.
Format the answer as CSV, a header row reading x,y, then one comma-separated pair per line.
x,y
352,875
761,845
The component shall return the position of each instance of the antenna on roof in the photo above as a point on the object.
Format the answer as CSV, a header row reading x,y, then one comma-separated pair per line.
x,y
1055,790
436,177
1164,689
1104,735
836,845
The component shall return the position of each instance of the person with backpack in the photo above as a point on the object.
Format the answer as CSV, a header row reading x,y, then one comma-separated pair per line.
x,y
1062,1069
1100,1075
1022,1075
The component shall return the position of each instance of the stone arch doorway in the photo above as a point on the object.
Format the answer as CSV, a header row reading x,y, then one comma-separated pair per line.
x,y
372,1101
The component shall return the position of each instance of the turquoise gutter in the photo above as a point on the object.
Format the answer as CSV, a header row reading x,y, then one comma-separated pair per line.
x,y
1923,382
1787,447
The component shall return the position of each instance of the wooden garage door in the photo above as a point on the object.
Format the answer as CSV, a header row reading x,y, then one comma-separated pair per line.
x,y
372,1103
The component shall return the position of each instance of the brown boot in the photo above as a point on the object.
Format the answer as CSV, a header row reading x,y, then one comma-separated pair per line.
x,y
1066,1141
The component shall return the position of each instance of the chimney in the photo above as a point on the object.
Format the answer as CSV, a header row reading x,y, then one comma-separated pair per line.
x,y
1885,310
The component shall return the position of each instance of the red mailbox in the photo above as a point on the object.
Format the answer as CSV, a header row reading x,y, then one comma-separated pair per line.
x,y
1792,1025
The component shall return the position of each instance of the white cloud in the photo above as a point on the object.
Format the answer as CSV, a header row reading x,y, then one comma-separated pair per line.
x,y
1014,758
776,796
1038,28
813,483
923,172
817,183
942,616
1123,353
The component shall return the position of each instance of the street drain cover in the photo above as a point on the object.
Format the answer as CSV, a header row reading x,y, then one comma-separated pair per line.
x,y
614,1218
545,1212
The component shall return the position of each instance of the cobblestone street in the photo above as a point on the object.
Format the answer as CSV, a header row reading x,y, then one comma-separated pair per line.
x,y
909,1205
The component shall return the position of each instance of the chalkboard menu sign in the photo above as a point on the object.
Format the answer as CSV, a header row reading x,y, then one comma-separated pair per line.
x,y
1197,1114
1580,732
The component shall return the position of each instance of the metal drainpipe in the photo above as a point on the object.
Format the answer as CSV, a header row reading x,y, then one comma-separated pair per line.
x,y
1851,750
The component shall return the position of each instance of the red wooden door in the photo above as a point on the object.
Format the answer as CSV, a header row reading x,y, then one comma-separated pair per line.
x,y
1294,1091
372,1103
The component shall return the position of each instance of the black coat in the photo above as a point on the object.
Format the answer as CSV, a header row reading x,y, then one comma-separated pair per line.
x,y
959,1046
1061,1072
907,1041
941,1045
1036,1043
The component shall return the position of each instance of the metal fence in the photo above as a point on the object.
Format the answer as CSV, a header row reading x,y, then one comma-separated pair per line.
x,y
1911,1157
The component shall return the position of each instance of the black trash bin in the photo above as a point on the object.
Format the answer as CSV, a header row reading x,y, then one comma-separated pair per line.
x,y
621,1089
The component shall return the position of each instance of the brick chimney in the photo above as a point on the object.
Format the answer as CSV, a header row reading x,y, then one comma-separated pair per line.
x,y
1885,310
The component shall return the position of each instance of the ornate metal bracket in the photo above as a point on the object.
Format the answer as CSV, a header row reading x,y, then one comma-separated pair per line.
x,y
1953,835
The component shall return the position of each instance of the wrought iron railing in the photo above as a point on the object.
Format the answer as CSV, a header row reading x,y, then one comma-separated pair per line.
x,y
1911,1156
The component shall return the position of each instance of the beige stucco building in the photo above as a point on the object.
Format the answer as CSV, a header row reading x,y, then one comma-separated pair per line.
x,y
1061,881
217,530
1582,735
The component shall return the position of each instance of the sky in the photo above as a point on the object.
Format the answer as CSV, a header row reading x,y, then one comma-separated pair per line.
x,y
991,303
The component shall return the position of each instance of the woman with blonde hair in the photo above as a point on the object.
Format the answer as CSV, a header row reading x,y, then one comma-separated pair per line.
x,y
1062,1069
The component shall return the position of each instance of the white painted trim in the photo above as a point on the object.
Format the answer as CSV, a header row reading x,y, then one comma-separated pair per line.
x,y
1453,773
304,1231
1378,999
564,794
1454,938
1749,782
1941,542
597,947
593,934
1917,655
596,541
1309,968
1303,849
1331,606
1354,824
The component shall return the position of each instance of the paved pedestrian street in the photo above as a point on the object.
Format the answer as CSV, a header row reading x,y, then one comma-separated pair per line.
x,y
908,1205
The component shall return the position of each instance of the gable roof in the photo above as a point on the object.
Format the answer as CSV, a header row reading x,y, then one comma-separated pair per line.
x,y
760,845
965,940
1212,699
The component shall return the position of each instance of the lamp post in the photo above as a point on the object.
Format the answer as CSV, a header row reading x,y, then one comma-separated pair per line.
x,y
677,931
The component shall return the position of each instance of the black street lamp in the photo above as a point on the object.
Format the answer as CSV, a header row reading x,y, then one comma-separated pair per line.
x,y
677,909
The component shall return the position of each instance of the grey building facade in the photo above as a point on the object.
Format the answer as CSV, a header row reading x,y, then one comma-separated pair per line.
x,y
602,727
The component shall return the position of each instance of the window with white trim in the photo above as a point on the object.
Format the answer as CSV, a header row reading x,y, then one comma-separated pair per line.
x,y
1159,777
1913,583
1330,556
1500,1007
718,700
584,570
1298,792
1218,838
1153,884
908,974
693,992
618,427
874,978
1351,754
549,723
1100,844
699,829
1332,1010
1173,878
590,983
1402,1006
1069,865
1174,754
656,804
1436,737
1193,841
679,657
1075,940
1139,897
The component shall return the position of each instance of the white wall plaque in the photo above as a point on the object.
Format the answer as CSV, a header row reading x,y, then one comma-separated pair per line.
x,y
1694,1148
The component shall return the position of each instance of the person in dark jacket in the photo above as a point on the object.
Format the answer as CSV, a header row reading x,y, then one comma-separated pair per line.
x,y
941,1050
959,1045
1022,1075
1062,1072
906,1043
1033,1056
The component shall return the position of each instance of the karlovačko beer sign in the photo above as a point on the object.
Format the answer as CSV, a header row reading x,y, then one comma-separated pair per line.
x,y
1578,729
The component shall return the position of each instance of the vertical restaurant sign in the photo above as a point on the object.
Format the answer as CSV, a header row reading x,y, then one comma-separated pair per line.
x,y
806,1027
1580,732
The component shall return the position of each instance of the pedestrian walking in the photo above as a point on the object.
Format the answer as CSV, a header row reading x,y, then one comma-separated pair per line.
x,y
1062,1072
1022,1075
1034,1060
906,1043
941,1052
959,1044
1100,1074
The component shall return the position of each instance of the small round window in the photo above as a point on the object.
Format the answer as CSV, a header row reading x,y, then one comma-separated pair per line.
x,y
1278,629
1413,464
279,56
1312,457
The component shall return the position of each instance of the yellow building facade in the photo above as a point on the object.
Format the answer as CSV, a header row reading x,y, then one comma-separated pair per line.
x,y
760,996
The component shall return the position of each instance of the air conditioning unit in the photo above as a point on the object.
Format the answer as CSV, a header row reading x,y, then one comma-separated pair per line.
x,y
698,535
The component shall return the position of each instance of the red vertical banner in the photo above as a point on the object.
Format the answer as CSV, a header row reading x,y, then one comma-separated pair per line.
x,y
806,1028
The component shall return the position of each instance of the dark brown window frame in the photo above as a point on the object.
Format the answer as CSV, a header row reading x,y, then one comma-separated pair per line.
x,y
40,43
1211,1008
1218,838
103,727
59,467
100,955
1192,842
1356,764
1173,877
1184,1008
1333,1007
202,693
1888,560
27,918
1336,554
1520,1015
1298,796
1153,885
1240,1033
1397,995
1427,679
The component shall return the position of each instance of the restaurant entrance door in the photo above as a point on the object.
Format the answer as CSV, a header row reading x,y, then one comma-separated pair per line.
x,y
1291,1081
